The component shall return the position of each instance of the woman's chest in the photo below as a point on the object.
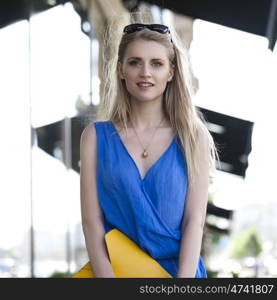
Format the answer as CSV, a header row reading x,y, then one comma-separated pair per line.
x,y
146,150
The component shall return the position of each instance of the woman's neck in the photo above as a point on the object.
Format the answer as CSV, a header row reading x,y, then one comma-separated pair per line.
x,y
147,116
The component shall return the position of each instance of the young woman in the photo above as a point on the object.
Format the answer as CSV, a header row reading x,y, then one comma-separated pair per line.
x,y
146,162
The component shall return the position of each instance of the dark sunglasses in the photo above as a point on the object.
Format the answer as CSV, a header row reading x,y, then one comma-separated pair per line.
x,y
138,26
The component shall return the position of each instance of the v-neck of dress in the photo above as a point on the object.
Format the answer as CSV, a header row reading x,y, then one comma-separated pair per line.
x,y
132,159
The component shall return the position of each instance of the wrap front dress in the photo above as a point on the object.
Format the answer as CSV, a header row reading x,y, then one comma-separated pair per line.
x,y
148,210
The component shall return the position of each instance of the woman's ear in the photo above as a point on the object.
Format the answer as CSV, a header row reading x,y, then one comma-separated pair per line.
x,y
171,73
119,70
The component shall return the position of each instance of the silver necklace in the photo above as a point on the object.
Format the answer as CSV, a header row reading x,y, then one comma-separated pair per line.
x,y
145,153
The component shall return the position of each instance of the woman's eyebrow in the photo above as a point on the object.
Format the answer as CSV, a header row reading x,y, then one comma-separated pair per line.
x,y
139,58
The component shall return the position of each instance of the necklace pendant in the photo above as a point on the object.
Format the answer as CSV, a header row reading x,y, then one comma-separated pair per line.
x,y
144,154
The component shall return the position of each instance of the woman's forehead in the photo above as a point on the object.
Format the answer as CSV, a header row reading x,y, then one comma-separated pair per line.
x,y
145,48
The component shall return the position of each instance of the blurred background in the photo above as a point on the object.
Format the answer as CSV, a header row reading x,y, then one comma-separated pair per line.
x,y
50,87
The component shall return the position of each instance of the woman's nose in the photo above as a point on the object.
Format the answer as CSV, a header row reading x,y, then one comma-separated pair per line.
x,y
145,70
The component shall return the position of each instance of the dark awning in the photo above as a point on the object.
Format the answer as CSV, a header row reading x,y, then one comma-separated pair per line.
x,y
233,137
253,16
18,10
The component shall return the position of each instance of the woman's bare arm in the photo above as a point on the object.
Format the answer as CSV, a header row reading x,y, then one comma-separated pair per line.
x,y
92,217
194,217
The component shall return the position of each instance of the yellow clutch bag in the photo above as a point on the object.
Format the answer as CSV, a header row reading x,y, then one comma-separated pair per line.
x,y
127,259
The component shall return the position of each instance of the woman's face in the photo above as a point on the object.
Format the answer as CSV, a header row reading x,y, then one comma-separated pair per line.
x,y
146,70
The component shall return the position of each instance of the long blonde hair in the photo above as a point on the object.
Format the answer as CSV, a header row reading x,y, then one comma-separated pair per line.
x,y
185,119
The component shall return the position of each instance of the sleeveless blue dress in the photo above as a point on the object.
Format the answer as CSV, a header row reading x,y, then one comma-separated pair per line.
x,y
148,210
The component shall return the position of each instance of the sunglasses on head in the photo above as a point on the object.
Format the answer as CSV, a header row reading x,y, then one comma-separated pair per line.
x,y
138,26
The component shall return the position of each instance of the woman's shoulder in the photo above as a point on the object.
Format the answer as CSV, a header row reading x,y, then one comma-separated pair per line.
x,y
88,134
88,145
92,129
203,136
201,129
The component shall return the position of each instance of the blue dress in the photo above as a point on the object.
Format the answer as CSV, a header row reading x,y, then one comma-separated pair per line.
x,y
148,210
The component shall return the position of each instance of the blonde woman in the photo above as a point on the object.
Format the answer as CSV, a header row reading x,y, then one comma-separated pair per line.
x,y
146,161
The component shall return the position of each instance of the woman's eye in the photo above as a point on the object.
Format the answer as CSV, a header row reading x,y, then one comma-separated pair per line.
x,y
157,64
133,62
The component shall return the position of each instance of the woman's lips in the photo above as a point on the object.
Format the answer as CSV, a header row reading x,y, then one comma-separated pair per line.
x,y
144,85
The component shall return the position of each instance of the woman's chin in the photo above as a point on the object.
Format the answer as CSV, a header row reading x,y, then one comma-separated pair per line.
x,y
146,98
